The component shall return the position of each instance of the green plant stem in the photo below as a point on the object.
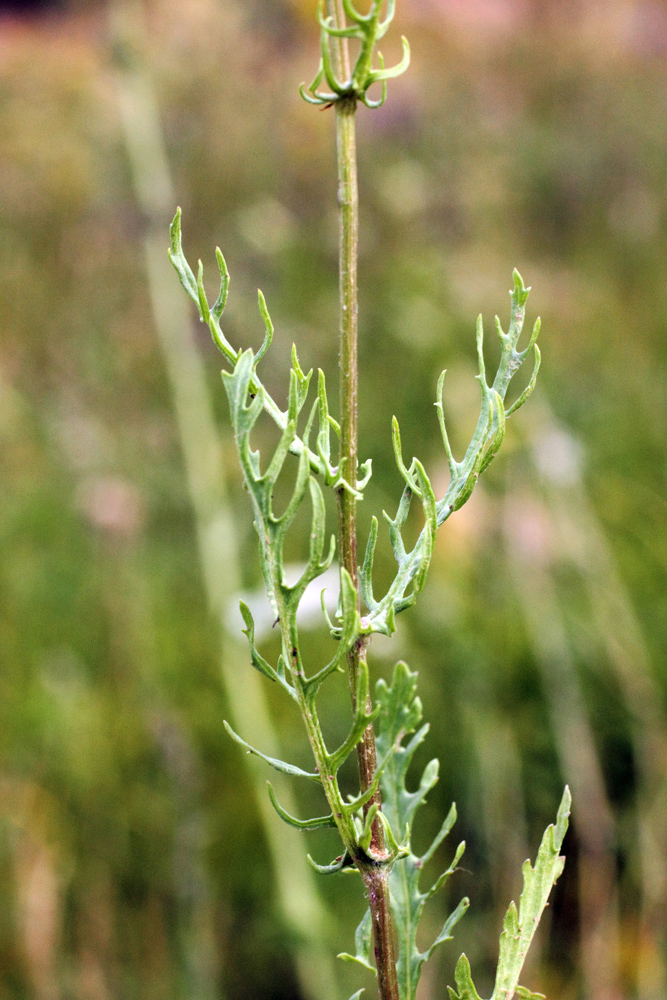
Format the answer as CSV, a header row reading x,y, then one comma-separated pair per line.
x,y
376,880
348,207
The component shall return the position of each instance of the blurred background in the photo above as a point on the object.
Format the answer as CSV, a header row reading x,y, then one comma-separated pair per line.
x,y
138,855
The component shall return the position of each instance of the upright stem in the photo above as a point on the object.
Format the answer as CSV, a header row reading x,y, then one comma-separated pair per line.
x,y
375,878
348,207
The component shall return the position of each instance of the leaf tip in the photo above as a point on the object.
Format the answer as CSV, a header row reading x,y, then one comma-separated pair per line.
x,y
520,290
563,817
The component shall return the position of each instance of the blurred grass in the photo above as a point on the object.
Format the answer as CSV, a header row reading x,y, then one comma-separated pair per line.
x,y
525,134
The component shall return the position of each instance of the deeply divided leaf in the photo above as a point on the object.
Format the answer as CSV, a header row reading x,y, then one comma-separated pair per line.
x,y
400,713
519,926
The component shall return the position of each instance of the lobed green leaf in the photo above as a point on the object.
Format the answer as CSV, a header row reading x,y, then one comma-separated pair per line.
x,y
519,926
399,715
484,445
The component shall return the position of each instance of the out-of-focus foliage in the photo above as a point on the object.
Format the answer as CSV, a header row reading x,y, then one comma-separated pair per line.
x,y
525,133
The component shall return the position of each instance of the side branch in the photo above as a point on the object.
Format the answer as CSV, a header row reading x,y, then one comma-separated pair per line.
x,y
485,443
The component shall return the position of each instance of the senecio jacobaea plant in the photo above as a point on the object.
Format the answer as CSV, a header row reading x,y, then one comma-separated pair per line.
x,y
375,825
